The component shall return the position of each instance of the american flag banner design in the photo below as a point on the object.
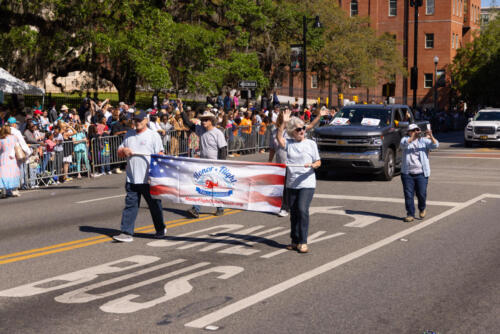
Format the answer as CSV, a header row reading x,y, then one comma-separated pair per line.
x,y
219,183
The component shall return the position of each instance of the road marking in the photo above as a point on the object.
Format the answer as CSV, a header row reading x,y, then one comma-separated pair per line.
x,y
359,221
461,157
33,253
381,199
473,183
81,295
462,168
244,303
100,199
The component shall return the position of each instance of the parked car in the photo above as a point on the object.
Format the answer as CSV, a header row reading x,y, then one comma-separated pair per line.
x,y
483,128
365,138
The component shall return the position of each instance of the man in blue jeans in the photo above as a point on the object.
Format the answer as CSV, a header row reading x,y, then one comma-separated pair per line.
x,y
415,169
137,147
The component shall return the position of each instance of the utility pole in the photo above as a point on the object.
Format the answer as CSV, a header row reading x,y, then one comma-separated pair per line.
x,y
414,70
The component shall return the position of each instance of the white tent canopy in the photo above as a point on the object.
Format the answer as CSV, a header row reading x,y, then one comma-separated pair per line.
x,y
9,84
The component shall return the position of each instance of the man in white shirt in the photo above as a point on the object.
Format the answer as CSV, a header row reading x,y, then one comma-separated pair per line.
x,y
137,147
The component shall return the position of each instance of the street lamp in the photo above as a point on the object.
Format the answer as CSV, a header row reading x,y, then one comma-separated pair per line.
x,y
436,61
317,24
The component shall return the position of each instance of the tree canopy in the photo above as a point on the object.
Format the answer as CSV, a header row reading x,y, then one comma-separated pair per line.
x,y
200,46
476,68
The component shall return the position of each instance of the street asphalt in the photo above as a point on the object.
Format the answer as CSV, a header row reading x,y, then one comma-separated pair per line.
x,y
367,272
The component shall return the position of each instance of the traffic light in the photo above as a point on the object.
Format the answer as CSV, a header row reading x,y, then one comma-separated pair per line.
x,y
341,96
355,98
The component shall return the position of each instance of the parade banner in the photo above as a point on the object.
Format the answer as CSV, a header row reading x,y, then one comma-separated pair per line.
x,y
219,183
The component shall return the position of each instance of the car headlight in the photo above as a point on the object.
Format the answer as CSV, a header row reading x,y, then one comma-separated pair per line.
x,y
377,140
469,127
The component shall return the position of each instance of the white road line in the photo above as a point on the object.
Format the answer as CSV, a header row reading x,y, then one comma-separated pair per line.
x,y
453,157
462,168
381,199
478,150
244,303
99,199
470,183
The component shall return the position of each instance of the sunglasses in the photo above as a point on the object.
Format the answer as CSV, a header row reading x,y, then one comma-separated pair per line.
x,y
416,130
300,129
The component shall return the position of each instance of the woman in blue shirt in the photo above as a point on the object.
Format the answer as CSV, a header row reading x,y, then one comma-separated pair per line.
x,y
415,169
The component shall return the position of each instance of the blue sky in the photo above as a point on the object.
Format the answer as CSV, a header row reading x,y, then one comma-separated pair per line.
x,y
486,3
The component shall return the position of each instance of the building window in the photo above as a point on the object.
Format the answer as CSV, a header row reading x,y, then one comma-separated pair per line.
x,y
314,81
452,40
428,80
354,7
429,7
393,7
429,41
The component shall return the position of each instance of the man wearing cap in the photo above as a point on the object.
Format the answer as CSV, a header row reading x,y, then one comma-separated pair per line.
x,y
137,147
415,169
213,146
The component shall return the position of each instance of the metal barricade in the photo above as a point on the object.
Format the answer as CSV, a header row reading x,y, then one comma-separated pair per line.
x,y
175,142
46,168
104,153
100,154
239,140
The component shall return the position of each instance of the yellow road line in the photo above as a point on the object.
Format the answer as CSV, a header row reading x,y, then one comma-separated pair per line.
x,y
96,240
77,241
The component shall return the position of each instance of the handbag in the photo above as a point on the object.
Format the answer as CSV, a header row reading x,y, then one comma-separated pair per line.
x,y
20,155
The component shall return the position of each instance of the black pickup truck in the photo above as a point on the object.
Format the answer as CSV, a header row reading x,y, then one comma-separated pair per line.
x,y
365,138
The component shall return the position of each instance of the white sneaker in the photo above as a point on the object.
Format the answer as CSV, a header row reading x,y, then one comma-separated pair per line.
x,y
122,237
109,173
283,213
15,193
96,175
118,171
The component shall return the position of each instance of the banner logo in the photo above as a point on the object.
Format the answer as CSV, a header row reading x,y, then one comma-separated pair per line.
x,y
215,181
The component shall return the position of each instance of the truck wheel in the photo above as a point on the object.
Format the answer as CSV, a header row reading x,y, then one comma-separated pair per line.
x,y
389,165
467,143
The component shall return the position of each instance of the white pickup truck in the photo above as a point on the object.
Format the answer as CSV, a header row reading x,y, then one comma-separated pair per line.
x,y
483,128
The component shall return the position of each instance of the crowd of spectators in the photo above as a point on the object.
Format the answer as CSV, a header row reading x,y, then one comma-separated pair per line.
x,y
60,144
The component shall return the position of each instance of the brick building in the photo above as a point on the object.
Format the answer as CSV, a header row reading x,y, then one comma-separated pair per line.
x,y
444,26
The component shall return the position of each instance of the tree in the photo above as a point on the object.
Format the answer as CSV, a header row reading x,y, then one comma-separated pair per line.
x,y
124,42
476,68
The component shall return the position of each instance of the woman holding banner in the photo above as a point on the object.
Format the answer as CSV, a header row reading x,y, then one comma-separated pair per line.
x,y
302,159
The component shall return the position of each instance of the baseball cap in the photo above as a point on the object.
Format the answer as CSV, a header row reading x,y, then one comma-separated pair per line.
x,y
413,127
12,120
38,112
140,115
64,107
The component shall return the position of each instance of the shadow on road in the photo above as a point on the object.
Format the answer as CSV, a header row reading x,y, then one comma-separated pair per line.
x,y
373,214
100,230
223,238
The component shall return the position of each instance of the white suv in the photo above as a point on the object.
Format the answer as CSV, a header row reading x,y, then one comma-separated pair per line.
x,y
483,128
